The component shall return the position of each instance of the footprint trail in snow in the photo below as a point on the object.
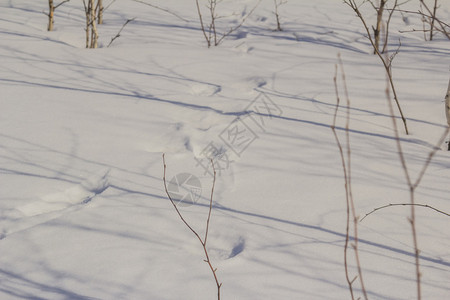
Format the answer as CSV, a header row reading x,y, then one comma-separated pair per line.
x,y
53,205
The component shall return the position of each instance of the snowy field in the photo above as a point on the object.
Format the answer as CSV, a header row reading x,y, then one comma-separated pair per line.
x,y
84,214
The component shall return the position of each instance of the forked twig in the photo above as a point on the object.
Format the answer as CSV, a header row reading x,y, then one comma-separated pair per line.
x,y
412,185
202,241
209,31
444,27
384,59
433,18
163,9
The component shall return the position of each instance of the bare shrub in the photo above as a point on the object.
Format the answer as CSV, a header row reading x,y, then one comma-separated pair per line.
x,y
431,23
412,186
209,25
385,60
205,238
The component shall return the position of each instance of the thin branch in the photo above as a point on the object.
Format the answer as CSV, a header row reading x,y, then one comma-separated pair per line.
x,y
412,218
430,157
344,168
346,163
163,9
349,179
413,186
208,39
384,60
61,3
421,14
210,202
108,6
120,31
202,242
277,15
388,22
445,27
239,25
175,206
210,31
433,18
405,204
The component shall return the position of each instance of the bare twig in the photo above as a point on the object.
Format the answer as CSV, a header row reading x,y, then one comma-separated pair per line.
x,y
120,31
278,3
412,185
108,6
385,61
61,3
388,22
421,14
346,162
432,18
202,25
202,241
444,27
163,9
344,168
233,29
405,204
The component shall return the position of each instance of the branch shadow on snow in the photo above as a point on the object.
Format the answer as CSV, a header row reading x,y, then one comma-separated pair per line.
x,y
20,287
332,232
199,107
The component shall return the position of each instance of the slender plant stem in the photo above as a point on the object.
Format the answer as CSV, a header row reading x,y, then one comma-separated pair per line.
x,y
385,60
344,168
405,204
202,241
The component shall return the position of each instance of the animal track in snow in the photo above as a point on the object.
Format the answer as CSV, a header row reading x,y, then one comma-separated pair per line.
x,y
249,85
78,194
204,89
227,248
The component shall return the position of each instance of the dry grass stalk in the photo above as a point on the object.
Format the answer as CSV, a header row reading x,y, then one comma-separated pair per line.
x,y
212,37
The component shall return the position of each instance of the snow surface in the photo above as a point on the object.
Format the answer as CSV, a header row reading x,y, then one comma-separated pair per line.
x,y
84,214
